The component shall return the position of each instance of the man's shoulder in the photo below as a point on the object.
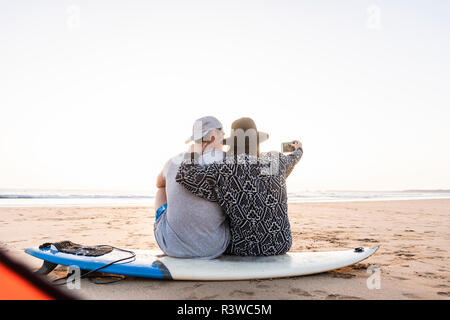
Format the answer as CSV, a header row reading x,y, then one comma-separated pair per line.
x,y
206,159
215,156
179,157
175,160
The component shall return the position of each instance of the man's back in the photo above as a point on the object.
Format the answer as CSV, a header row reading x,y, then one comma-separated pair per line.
x,y
192,226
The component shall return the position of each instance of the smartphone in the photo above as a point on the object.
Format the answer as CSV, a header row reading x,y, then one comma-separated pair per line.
x,y
287,147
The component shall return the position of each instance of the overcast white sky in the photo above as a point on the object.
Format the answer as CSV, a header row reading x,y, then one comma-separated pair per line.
x,y
99,94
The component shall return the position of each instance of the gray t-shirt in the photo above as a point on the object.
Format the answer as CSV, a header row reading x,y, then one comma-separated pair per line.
x,y
192,227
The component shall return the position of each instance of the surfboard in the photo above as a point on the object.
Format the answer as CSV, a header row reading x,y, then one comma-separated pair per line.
x,y
157,265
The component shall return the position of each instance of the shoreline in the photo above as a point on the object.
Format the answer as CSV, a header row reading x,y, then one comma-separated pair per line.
x,y
413,236
151,206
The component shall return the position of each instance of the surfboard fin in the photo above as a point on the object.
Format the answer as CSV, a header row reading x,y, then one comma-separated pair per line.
x,y
46,268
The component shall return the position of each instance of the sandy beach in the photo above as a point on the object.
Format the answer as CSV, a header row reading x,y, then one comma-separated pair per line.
x,y
413,235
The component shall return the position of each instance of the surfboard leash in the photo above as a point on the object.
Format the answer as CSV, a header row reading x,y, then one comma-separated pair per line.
x,y
84,275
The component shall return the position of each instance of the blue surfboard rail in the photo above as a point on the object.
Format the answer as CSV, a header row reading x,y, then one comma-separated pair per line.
x,y
157,270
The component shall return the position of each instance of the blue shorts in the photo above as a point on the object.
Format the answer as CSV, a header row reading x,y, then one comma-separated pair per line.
x,y
161,210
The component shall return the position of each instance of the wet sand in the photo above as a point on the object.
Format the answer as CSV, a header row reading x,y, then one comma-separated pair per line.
x,y
414,236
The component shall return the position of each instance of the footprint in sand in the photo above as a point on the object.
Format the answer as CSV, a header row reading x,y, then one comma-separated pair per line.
x,y
411,295
443,293
360,266
299,292
343,275
429,275
341,297
241,293
320,292
400,278
209,297
403,254
368,240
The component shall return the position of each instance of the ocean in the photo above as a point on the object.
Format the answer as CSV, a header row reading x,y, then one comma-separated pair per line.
x,y
83,198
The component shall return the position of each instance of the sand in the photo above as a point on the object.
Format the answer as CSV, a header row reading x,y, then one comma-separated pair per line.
x,y
414,236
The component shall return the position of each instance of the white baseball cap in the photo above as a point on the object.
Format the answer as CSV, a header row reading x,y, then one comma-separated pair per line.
x,y
202,126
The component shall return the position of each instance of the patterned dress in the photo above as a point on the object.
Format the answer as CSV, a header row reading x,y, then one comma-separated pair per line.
x,y
252,192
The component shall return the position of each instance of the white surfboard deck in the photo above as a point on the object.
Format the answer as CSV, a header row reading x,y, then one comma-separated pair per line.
x,y
154,264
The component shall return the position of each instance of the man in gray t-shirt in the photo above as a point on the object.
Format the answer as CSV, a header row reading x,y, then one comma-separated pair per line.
x,y
188,226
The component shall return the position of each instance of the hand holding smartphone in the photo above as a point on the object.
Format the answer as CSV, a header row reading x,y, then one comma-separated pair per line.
x,y
290,146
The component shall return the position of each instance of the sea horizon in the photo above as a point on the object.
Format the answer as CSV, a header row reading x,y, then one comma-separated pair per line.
x,y
16,197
